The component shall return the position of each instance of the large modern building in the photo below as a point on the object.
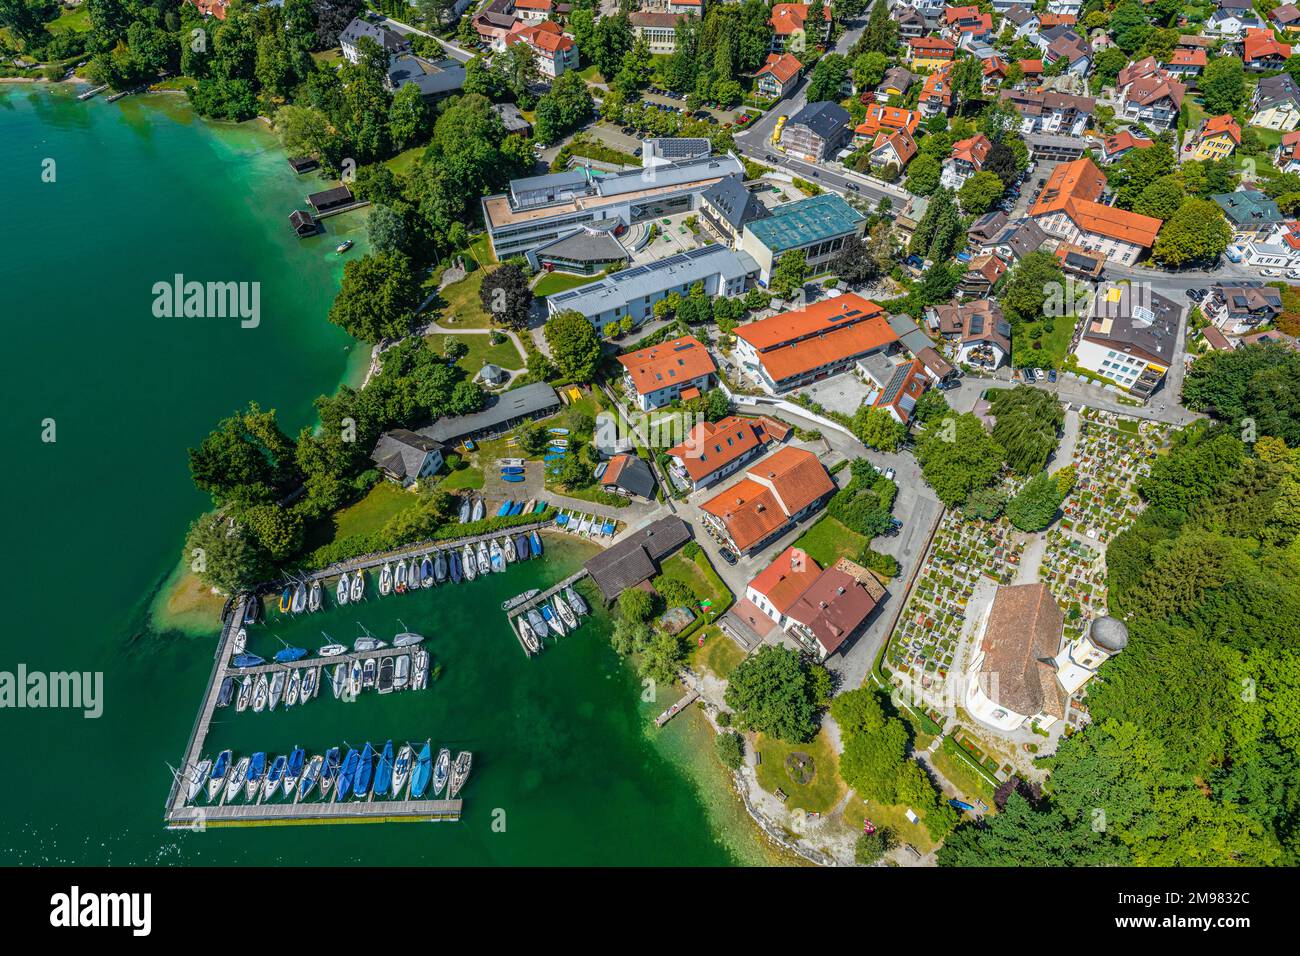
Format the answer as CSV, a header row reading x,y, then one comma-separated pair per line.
x,y
1130,338
540,209
714,450
818,226
796,348
774,495
635,291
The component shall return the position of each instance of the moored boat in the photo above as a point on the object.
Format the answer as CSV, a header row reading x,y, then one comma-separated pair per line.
x,y
354,679
526,632
460,773
537,623
369,671
453,565
316,597
287,655
401,770
414,576
238,774
575,601
196,777
333,649
496,556
340,679
386,579
299,598
292,687
310,684
329,771
553,620
508,549
286,600
484,559
358,586
226,693
256,769
384,682
367,643
247,660
402,672
347,774
365,772
440,770
240,643
261,692
439,566
277,689
522,551
311,776
399,578
343,246
384,772
535,542
245,694
420,678
407,638
219,770
519,599
426,572
293,772
468,564
566,613
274,777
423,772
344,590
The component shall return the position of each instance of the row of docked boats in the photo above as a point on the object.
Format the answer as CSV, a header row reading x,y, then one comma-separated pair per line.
x,y
361,774
558,615
589,526
511,508
347,679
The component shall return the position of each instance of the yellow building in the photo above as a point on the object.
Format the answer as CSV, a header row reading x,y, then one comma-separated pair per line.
x,y
1217,137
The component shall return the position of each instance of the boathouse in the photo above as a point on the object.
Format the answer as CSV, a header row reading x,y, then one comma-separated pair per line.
x,y
328,200
635,559
501,413
303,223
303,164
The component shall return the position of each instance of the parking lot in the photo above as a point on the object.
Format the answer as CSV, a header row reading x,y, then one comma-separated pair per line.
x,y
843,393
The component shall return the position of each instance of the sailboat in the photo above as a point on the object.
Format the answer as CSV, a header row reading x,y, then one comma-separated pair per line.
x,y
226,693
453,562
496,556
286,600
402,672
537,623
219,771
247,660
293,772
421,678
254,779
365,770
274,777
575,601
245,694
468,564
344,589
553,620
460,772
415,577
480,510
329,771
465,509
299,598
401,770
522,551
423,772
535,542
311,776
314,599
385,678
260,694
440,770
277,688
368,670
339,680
240,643
287,655
439,566
386,579
426,572
384,772
508,549
565,612
348,773
333,648
310,684
291,691
354,679
526,632
367,643
484,560
196,777
407,638
237,776
399,578
358,586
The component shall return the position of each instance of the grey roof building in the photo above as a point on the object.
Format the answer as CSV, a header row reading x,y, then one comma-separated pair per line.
x,y
729,204
635,558
909,333
502,413
674,149
1248,210
1017,239
1274,90
433,79
585,251
987,227
511,118
388,41
816,131
406,456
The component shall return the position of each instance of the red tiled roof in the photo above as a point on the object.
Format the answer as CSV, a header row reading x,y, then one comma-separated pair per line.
x,y
613,469
782,581
1048,20
819,317
1124,140
888,117
912,388
1074,187
1184,57
659,366
973,150
796,342
795,475
901,141
784,484
790,18
1031,67
833,607
1221,124
784,66
212,8
932,46
712,445
545,36
1262,43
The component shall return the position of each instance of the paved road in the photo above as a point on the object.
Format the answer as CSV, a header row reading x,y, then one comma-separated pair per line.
x,y
452,50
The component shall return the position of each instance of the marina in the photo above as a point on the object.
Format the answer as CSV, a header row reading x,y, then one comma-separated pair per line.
x,y
523,613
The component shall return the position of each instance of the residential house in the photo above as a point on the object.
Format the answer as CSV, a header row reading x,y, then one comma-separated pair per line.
x,y
1046,111
790,28
936,94
1276,103
1070,8
966,26
1048,20
1080,262
1069,209
1262,51
910,22
818,226
887,119
388,41
1154,99
635,559
892,149
930,53
1023,20
1116,147
1249,212
976,331
533,11
896,386
629,476
1237,307
1230,24
434,79
986,227
211,8
728,206
502,412
822,608
779,74
1216,138
1130,338
1279,247
713,451
554,50
897,81
816,132
1287,155
1032,71
774,495
966,159
405,456
1015,240
981,274
1285,17
659,375
1064,44
1187,65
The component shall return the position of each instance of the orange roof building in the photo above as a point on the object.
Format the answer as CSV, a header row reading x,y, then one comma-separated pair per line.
x,y
805,345
887,118
821,607
211,8
1069,209
556,51
774,495
1262,50
659,374
714,450
778,73
790,18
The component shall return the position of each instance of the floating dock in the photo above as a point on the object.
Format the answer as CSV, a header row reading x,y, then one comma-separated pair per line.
x,y
522,609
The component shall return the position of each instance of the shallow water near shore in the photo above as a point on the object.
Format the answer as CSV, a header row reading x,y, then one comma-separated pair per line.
x,y
143,191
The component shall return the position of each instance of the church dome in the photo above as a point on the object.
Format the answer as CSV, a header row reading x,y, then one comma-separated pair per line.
x,y
1109,633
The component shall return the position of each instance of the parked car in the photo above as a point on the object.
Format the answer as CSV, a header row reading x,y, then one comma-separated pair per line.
x,y
1039,375
728,555
889,473
1051,375
1270,272
950,384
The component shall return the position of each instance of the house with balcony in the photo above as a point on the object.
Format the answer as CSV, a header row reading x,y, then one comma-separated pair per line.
x,y
775,495
1187,65
779,74
1286,157
553,49
679,369
966,26
1049,112
897,81
1216,138
966,159
1024,21
1069,209
713,451
1275,103
1116,147
1261,51
791,30
1250,213
1154,99
936,94
910,22
821,608
404,457
1130,338
930,53
976,332
816,132
1238,307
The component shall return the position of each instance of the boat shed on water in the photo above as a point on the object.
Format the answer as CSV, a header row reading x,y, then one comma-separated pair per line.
x,y
636,558
303,223
303,164
328,199
501,413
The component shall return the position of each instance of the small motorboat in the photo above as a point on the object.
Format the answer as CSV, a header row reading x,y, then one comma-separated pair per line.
x,y
526,632
245,694
287,655
299,598
402,672
252,609
522,551
260,694
535,542
399,578
468,563
439,566
384,681
465,509
256,768
423,772
508,549
274,777
496,556
286,600
339,679
311,776
240,643
293,771
575,601
196,777
484,558
566,613
480,510
530,505
247,660
513,479
415,576
344,590
343,246
559,431
426,572
333,649
238,774
541,506
358,586
219,770
277,689
505,508
553,620
440,770
384,772
420,680
519,599
291,689
386,580
369,672
407,638
460,772
364,773
537,623
354,678
310,684
348,773
401,770
329,771
226,693
453,565
316,597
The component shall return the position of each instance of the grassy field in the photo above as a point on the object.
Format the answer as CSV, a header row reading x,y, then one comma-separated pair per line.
x,y
374,510
405,161
329,57
1056,344
699,576
461,304
821,793
481,350
174,83
892,816
827,541
467,478
559,282
70,21
718,654
949,761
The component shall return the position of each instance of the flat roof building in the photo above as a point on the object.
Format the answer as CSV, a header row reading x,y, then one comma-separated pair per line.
x,y
819,226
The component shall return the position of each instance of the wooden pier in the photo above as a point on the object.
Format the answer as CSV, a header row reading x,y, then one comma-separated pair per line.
x,y
691,697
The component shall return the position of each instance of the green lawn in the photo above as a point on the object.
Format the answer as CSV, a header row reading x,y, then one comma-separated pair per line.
x,y
70,21
366,516
481,350
405,161
1055,344
718,654
821,793
699,576
893,816
827,541
329,57
469,477
954,765
560,282
461,304
590,74
481,250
